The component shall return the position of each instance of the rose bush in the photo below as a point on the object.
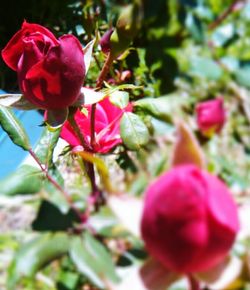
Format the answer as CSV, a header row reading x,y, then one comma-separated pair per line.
x,y
50,71
189,220
211,116
107,126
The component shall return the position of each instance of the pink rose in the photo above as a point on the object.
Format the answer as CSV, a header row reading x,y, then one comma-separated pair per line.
x,y
211,116
50,71
107,126
190,220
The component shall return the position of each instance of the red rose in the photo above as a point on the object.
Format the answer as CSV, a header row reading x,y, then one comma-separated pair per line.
x,y
107,126
105,41
50,71
211,116
190,220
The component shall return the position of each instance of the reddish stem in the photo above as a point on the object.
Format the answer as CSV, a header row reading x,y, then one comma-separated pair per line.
x,y
193,283
56,185
225,14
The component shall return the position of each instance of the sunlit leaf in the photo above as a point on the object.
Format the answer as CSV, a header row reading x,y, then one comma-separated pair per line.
x,y
17,101
88,50
119,99
101,168
13,128
25,180
93,260
162,107
205,67
134,132
89,97
35,254
45,146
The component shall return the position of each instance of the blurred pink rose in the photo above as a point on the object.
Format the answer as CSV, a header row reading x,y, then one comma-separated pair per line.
x,y
50,71
211,116
107,126
189,220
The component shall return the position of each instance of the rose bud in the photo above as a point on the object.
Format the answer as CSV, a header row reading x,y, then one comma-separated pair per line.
x,y
189,221
105,41
50,71
211,116
107,126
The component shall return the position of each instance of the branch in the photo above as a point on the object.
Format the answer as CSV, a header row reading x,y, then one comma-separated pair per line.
x,y
225,14
56,185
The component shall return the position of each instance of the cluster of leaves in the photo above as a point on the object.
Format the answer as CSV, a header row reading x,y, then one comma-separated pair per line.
x,y
186,51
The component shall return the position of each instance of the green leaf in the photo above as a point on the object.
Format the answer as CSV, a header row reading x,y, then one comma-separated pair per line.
x,y
46,144
119,99
242,76
53,194
50,218
194,26
89,97
88,50
134,132
163,107
35,254
223,34
17,101
13,128
205,67
93,260
25,180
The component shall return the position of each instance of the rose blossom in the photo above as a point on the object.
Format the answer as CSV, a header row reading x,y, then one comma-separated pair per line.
x,y
50,71
211,116
107,126
105,41
190,220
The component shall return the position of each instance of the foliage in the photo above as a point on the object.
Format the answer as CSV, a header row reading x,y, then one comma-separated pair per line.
x,y
85,233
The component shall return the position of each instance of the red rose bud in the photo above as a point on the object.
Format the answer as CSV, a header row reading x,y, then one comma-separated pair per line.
x,y
190,220
50,71
105,41
211,116
107,126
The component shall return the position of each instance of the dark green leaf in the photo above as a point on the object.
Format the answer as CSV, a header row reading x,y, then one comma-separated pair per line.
x,y
134,132
35,254
13,128
193,24
50,218
93,260
25,180
45,147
